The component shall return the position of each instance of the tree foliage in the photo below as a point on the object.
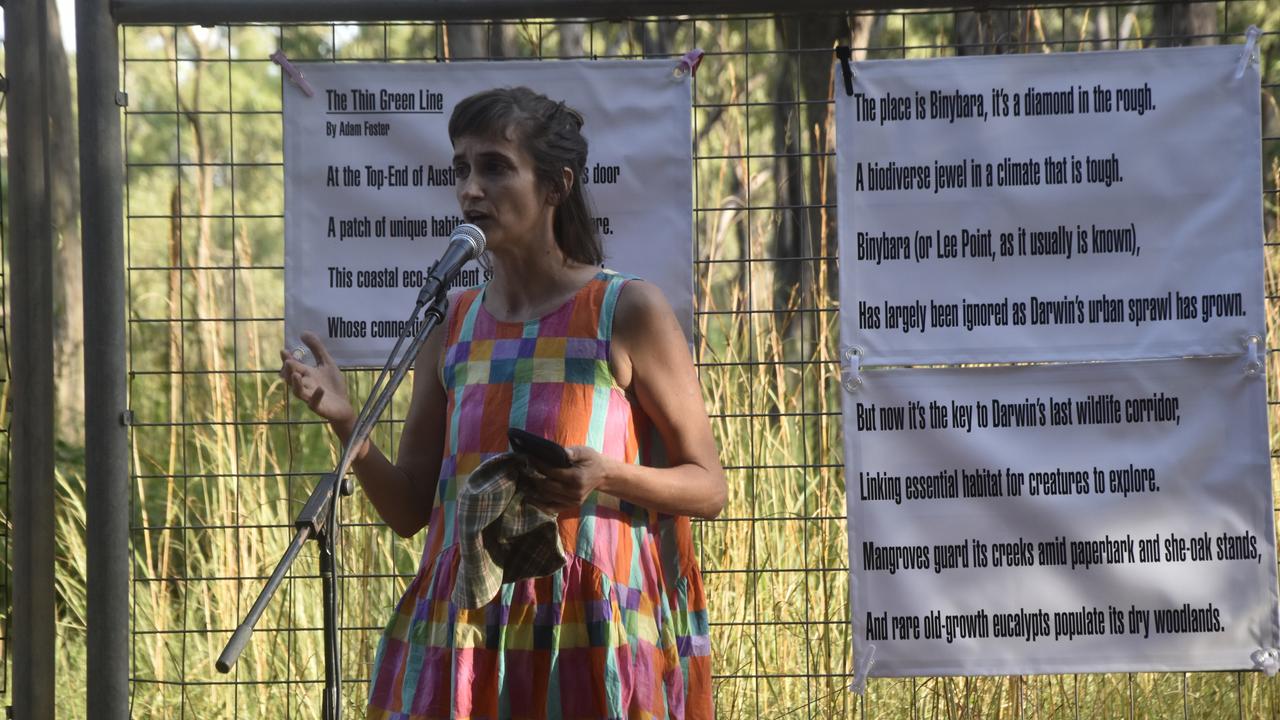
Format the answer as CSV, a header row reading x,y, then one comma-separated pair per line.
x,y
222,458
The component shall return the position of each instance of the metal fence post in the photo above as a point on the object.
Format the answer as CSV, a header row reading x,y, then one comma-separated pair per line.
x,y
31,285
106,370
774,658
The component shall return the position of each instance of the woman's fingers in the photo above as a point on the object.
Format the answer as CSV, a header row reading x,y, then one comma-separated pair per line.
x,y
305,387
295,383
290,367
548,506
316,397
558,495
551,504
546,492
312,384
286,368
560,489
317,348
571,486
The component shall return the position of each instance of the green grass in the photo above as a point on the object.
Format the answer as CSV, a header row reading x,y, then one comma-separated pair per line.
x,y
222,459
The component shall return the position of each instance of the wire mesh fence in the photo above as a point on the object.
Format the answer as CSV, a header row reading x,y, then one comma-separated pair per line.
x,y
223,458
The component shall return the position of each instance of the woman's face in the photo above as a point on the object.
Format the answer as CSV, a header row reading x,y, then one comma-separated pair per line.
x,y
497,189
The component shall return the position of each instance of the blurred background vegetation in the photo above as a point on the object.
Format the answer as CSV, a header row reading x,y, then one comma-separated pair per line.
x,y
223,459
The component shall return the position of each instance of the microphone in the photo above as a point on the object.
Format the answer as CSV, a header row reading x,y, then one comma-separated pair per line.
x,y
465,244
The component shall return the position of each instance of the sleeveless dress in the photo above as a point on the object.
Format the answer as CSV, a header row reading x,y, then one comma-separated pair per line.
x,y
621,631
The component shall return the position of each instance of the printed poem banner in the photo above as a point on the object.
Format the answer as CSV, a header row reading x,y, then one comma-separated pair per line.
x,y
1107,511
1061,519
1072,206
369,185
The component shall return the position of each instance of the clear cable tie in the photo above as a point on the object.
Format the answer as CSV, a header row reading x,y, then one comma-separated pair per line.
x,y
688,64
851,368
1250,52
862,668
1267,660
1253,358
295,75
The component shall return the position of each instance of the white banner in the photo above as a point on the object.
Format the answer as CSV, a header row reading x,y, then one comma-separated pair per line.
x,y
1072,206
369,188
1106,517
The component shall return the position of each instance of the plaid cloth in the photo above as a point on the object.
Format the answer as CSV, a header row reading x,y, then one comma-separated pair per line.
x,y
501,538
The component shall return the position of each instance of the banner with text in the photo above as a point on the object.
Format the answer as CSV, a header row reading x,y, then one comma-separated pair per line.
x,y
369,185
1073,206
1108,517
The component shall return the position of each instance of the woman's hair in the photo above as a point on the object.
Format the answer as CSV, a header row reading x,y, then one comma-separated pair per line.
x,y
551,132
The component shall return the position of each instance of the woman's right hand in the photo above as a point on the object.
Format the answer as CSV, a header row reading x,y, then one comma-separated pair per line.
x,y
322,387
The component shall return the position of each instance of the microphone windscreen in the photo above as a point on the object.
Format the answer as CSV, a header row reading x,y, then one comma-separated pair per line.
x,y
471,234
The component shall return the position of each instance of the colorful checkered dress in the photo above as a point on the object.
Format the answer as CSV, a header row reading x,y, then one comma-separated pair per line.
x,y
621,631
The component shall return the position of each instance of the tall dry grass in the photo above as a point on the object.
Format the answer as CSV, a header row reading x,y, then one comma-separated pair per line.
x,y
223,459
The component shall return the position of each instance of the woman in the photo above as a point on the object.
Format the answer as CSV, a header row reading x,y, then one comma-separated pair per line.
x,y
588,358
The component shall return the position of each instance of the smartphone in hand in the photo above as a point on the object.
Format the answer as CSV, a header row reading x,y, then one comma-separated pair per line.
x,y
547,452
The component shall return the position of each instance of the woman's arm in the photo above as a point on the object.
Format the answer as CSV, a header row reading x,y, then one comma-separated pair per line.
x,y
403,492
650,357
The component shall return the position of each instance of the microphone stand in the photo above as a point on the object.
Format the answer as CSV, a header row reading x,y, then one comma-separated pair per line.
x,y
318,519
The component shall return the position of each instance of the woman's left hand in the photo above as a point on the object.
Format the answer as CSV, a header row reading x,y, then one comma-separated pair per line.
x,y
568,488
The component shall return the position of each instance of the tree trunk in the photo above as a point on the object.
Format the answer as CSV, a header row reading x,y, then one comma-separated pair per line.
x,y
989,32
802,135
464,40
1185,24
656,40
572,35
68,284
495,39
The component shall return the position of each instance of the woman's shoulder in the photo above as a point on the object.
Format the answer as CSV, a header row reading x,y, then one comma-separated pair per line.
x,y
463,298
646,336
641,309
466,293
460,302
